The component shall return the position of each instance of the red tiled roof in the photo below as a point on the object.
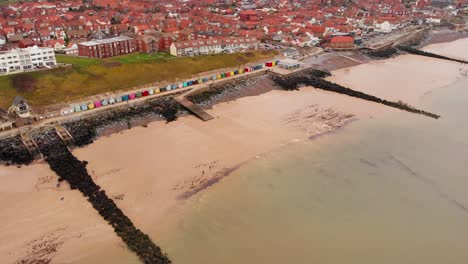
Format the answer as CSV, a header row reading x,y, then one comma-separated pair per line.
x,y
342,39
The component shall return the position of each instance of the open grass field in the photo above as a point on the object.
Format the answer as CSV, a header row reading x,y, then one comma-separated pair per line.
x,y
92,76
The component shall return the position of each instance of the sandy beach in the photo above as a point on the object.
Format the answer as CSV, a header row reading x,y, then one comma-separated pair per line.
x,y
150,171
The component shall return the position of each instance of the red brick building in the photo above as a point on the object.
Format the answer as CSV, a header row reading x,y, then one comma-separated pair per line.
x,y
147,43
102,48
342,42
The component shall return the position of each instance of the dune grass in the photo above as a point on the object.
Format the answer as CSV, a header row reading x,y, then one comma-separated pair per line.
x,y
92,76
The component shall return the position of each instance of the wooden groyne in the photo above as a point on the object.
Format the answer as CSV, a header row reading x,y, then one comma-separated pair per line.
x,y
315,78
429,54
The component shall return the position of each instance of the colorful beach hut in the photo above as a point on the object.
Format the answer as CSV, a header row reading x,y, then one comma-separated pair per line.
x,y
77,108
151,91
112,101
91,106
145,93
126,97
104,102
132,96
66,111
157,90
181,85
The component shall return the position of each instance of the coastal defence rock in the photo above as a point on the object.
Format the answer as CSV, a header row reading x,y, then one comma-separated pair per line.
x,y
383,53
74,171
13,152
310,78
414,51
86,130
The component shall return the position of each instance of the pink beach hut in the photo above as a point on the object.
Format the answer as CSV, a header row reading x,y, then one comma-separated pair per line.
x,y
97,104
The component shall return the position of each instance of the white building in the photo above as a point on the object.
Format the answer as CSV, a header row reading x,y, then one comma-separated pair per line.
x,y
211,46
19,60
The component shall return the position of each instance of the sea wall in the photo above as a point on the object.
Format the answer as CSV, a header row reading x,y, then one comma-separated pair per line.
x,y
84,131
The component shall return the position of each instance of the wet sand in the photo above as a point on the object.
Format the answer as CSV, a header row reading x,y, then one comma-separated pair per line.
x,y
151,171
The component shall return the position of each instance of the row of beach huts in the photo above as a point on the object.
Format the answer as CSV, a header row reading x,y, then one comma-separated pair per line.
x,y
152,91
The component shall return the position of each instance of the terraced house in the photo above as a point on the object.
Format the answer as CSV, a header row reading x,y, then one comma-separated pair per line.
x,y
212,46
28,59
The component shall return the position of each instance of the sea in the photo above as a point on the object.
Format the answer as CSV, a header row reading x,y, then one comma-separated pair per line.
x,y
392,189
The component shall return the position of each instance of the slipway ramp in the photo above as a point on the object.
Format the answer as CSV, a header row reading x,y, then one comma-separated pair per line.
x,y
195,109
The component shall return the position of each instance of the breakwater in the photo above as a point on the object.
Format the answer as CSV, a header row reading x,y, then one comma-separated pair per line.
x,y
315,78
74,171
414,51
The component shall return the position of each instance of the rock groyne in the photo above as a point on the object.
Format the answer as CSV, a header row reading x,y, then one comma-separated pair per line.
x,y
311,78
414,51
74,171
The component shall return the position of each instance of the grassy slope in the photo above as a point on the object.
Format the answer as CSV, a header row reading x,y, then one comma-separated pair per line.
x,y
90,76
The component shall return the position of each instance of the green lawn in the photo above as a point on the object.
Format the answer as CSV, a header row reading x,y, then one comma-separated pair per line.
x,y
78,63
92,76
141,57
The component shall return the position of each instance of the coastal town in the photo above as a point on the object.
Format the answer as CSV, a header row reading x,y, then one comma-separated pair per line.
x,y
79,75
103,28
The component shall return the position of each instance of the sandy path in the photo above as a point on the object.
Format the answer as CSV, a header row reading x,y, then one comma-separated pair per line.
x,y
150,171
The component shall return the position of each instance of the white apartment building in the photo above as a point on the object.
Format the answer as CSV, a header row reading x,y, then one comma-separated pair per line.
x,y
28,59
211,46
